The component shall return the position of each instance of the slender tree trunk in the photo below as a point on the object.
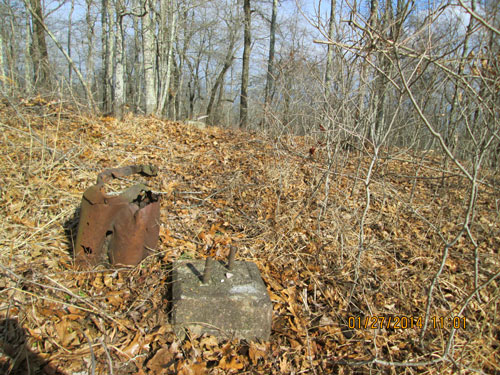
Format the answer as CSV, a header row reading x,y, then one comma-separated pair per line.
x,y
11,44
246,66
179,96
136,80
107,54
217,116
452,116
39,53
148,40
270,60
119,87
173,91
206,70
375,103
228,61
327,122
188,33
90,42
2,70
70,22
104,54
166,66
28,66
329,56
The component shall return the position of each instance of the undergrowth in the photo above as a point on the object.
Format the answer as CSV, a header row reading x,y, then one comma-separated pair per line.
x,y
224,187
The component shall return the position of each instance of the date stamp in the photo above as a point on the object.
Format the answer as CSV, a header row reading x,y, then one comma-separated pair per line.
x,y
406,322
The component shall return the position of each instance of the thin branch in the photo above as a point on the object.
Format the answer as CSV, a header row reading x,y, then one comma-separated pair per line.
x,y
92,355
479,18
428,125
110,362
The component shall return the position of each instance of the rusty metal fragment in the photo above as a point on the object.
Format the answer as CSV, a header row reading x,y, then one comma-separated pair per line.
x,y
232,254
207,272
118,229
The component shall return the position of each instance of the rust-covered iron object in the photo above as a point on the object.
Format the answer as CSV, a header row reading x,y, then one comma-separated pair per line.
x,y
232,254
207,272
118,229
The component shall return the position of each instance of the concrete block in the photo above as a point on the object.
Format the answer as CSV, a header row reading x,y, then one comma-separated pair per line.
x,y
196,124
232,304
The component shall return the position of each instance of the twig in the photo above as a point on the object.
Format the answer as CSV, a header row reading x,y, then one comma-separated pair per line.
x,y
93,309
106,350
92,355
479,18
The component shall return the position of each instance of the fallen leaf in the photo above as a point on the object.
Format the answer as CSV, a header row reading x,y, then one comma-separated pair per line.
x,y
161,360
209,342
233,364
134,347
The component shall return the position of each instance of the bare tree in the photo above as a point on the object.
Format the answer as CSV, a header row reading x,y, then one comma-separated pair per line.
x,y
148,22
63,51
39,52
119,81
270,61
68,42
166,38
329,56
107,39
245,70
219,82
28,63
90,23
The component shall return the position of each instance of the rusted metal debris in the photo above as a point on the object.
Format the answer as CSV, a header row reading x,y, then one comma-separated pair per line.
x,y
207,272
118,229
232,254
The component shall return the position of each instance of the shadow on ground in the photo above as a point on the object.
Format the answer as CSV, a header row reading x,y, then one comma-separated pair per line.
x,y
16,357
70,230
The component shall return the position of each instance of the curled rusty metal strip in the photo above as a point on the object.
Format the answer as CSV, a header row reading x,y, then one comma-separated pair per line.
x,y
118,229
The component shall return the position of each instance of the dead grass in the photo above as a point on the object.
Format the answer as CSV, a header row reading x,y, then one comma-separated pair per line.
x,y
224,187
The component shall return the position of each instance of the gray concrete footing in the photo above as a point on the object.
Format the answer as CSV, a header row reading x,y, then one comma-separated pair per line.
x,y
230,304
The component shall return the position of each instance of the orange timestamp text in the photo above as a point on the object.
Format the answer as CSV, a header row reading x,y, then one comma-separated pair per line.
x,y
405,322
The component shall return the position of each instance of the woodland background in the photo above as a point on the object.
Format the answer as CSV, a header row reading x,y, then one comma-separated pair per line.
x,y
353,153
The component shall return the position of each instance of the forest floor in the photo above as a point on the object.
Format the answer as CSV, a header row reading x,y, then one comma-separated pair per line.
x,y
268,198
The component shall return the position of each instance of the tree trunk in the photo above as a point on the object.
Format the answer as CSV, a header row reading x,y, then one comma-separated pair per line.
x,y
135,81
188,33
270,60
119,87
246,66
108,36
2,71
377,96
90,47
168,47
228,61
39,53
148,40
70,70
28,63
11,47
329,56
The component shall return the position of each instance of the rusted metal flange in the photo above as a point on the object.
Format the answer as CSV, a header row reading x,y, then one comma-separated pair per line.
x,y
118,229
